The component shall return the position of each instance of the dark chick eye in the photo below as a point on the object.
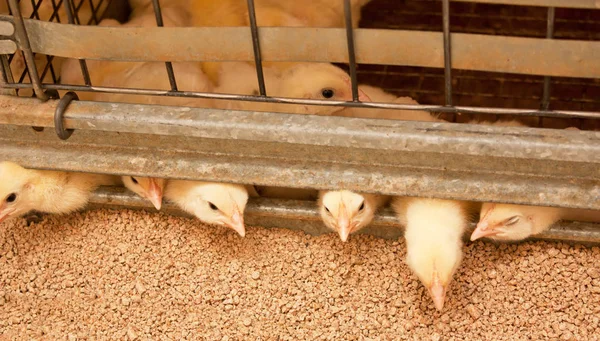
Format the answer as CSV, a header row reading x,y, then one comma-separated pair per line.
x,y
362,206
11,198
512,220
326,209
134,180
213,206
327,93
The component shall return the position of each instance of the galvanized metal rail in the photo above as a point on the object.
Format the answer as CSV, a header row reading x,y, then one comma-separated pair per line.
x,y
304,216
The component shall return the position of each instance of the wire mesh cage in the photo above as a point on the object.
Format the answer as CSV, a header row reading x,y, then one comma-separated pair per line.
x,y
463,60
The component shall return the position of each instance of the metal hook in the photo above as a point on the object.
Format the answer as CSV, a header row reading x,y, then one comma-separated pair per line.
x,y
63,133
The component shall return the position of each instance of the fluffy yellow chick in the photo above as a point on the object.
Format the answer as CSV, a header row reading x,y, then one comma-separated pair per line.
x,y
514,222
346,212
433,233
23,190
213,203
320,81
270,13
149,188
379,95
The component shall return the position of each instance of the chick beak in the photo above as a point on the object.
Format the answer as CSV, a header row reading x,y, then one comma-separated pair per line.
x,y
5,214
363,97
483,230
237,223
343,223
155,194
437,292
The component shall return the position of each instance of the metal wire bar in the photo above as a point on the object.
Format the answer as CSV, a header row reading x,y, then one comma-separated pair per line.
x,y
25,46
93,18
35,7
304,215
545,105
55,8
256,48
423,107
447,52
351,52
69,6
169,66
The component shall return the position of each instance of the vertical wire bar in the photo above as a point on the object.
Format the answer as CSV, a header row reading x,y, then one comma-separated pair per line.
x,y
82,64
549,35
93,18
21,33
351,52
7,76
447,52
256,45
169,65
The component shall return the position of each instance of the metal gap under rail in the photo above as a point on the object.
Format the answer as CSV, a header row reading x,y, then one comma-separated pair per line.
x,y
256,46
303,215
169,65
351,52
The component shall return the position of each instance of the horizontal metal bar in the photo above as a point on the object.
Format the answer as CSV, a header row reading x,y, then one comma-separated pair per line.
x,y
410,159
591,4
428,108
303,215
564,58
476,140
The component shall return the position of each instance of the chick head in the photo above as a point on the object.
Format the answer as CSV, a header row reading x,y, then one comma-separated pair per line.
x,y
16,191
435,266
319,81
148,188
503,222
345,212
221,204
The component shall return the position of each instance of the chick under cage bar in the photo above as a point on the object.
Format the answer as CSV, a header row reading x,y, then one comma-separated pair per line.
x,y
533,165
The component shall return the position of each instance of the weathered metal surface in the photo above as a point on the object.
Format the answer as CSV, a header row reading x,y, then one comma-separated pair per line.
x,y
566,58
476,140
6,28
592,4
412,172
7,47
303,215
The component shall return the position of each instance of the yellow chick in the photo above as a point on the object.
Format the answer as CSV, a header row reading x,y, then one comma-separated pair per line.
x,y
23,190
149,188
379,95
346,212
514,222
213,203
433,233
320,81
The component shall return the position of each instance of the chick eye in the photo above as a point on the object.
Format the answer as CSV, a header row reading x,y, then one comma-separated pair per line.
x,y
362,206
326,209
512,220
213,206
134,180
327,93
11,198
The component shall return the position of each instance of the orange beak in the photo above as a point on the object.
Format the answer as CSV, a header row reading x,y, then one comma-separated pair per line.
x,y
437,291
343,223
237,223
483,227
5,214
155,194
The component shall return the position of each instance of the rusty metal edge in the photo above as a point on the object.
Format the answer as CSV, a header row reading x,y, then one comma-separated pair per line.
x,y
564,58
304,216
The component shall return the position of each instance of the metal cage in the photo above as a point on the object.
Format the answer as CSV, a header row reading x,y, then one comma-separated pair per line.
x,y
533,166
